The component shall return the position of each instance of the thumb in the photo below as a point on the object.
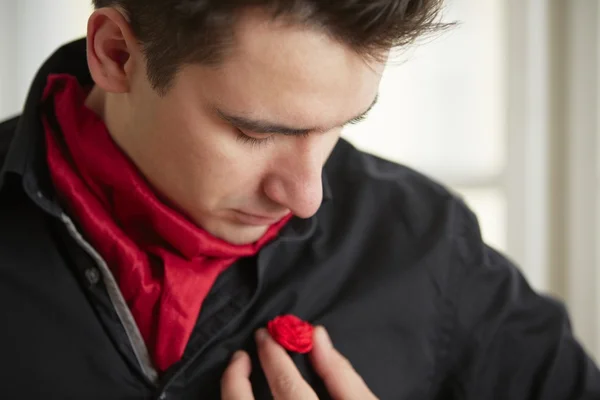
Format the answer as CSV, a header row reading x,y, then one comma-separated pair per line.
x,y
340,378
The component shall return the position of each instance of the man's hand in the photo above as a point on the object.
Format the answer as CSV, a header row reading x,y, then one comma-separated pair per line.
x,y
285,380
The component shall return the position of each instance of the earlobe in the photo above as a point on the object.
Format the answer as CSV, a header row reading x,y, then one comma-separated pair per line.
x,y
110,49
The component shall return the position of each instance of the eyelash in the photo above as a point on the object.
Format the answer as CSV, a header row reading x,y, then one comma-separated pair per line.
x,y
357,120
254,142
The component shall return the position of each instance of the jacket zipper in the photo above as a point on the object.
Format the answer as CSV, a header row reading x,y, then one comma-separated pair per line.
x,y
131,329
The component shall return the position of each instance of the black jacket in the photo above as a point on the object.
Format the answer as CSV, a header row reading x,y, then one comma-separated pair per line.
x,y
392,264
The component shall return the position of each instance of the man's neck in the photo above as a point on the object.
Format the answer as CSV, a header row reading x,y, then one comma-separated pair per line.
x,y
96,101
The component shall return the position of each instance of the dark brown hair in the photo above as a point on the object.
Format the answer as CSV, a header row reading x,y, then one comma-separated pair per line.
x,y
178,32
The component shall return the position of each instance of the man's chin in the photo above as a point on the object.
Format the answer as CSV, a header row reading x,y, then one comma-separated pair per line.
x,y
241,234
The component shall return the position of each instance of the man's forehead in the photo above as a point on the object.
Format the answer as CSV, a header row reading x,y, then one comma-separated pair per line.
x,y
249,99
289,82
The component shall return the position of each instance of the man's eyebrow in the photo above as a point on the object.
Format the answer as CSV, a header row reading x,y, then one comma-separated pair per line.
x,y
267,127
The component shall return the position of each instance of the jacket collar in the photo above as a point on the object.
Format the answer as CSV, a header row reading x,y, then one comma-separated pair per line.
x,y
26,155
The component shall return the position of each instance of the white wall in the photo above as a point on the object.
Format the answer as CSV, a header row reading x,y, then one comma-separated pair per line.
x,y
30,30
583,170
8,58
442,110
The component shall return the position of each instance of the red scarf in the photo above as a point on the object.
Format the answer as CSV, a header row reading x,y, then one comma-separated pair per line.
x,y
164,264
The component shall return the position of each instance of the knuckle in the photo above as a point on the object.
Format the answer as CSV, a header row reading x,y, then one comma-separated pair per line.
x,y
347,371
343,363
285,384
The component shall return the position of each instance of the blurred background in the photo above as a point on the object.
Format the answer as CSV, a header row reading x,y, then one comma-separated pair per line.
x,y
502,108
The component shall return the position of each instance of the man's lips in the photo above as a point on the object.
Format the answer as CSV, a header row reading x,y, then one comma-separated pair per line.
x,y
258,220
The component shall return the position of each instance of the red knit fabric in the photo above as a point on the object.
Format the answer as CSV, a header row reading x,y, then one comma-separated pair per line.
x,y
292,333
164,264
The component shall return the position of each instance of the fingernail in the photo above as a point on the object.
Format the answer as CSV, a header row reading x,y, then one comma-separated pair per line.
x,y
323,337
261,335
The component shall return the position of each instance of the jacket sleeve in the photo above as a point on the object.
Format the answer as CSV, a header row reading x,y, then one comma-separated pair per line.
x,y
511,342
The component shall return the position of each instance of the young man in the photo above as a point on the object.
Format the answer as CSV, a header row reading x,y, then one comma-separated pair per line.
x,y
177,181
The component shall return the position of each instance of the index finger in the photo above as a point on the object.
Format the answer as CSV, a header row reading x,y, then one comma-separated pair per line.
x,y
285,381
235,383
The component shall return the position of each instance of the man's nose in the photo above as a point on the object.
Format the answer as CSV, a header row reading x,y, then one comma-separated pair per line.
x,y
295,181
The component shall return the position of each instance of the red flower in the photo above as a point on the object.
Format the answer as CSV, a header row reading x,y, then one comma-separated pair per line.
x,y
292,333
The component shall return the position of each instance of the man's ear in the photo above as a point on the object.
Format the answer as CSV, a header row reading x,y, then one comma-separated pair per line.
x,y
112,51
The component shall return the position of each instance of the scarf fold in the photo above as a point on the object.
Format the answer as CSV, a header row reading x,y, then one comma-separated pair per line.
x,y
164,264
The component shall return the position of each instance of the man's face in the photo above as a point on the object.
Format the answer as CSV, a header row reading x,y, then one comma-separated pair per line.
x,y
239,146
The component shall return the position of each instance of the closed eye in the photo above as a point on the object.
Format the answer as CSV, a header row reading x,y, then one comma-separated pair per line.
x,y
253,140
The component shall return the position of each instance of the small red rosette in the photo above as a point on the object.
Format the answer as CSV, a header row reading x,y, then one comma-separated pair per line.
x,y
292,333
